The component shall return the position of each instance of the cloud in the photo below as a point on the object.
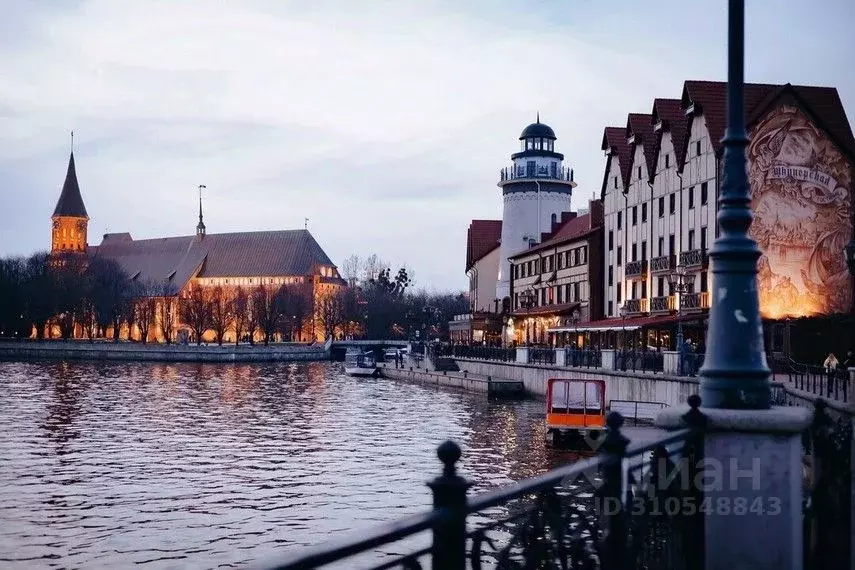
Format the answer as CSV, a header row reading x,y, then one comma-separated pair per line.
x,y
385,123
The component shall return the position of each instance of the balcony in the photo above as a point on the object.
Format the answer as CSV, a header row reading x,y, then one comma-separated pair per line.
x,y
663,263
512,173
636,269
694,259
636,306
663,304
695,301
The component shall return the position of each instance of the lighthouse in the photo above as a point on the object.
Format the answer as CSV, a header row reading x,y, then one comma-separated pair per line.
x,y
536,189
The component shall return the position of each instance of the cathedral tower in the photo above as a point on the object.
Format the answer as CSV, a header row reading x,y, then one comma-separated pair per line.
x,y
70,220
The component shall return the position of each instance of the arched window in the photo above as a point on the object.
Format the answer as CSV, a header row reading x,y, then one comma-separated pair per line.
x,y
554,219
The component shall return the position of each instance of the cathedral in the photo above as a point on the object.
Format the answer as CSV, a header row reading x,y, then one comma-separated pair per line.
x,y
167,268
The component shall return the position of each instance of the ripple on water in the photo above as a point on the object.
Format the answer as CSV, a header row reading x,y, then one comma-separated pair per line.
x,y
196,466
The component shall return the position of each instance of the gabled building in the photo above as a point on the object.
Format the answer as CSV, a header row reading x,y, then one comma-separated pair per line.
x,y
660,188
168,267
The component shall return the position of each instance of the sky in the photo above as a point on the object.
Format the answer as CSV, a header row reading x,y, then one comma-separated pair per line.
x,y
385,123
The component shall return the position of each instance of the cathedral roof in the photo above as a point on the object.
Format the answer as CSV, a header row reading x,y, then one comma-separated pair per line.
x,y
167,264
70,201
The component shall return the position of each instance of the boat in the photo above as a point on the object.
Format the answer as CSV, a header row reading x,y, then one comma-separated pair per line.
x,y
575,410
359,363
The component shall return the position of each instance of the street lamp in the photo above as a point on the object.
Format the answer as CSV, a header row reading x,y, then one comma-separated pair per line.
x,y
735,374
677,281
527,302
623,312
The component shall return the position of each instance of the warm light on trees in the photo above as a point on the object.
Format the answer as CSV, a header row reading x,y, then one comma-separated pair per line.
x,y
195,312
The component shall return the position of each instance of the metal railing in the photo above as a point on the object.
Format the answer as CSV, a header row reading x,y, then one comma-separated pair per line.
x,y
480,352
634,306
583,357
519,173
541,355
635,268
694,258
818,380
639,361
663,304
626,507
699,300
689,364
663,263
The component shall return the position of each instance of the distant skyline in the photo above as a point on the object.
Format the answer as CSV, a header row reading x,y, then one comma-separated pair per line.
x,y
383,122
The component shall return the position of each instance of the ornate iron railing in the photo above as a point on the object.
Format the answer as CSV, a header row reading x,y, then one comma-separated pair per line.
x,y
583,357
521,173
663,263
828,492
541,355
693,258
626,507
700,300
663,304
831,383
635,306
639,361
480,352
635,268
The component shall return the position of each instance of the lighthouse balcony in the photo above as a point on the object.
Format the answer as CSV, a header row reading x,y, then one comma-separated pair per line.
x,y
514,173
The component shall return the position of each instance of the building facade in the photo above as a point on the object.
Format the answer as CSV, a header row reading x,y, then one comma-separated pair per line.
x,y
660,188
168,269
558,283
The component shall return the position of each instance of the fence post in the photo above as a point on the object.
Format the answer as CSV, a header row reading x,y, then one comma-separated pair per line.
x,y
449,499
610,493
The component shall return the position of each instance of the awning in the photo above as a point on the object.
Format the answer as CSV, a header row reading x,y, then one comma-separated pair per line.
x,y
617,324
546,310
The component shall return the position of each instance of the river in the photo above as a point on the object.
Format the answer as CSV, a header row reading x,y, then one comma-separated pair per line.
x,y
199,466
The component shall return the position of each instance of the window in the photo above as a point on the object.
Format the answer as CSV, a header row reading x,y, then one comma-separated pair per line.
x,y
644,251
576,295
559,294
703,238
567,292
691,240
617,289
644,289
639,173
703,193
611,240
660,286
691,197
671,244
634,252
615,181
516,300
661,206
611,275
530,168
698,148
584,255
536,144
619,219
660,246
553,169
611,308
619,256
644,212
634,290
634,215
672,203
667,162
703,281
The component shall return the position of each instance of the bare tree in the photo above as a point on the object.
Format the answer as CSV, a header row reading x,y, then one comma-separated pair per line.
x,y
167,311
265,306
195,310
221,312
145,307
253,317
296,307
240,310
351,269
107,287
331,313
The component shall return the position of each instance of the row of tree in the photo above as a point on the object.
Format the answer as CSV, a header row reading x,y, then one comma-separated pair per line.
x,y
94,297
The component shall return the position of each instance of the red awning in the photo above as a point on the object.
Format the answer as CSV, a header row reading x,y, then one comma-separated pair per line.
x,y
616,324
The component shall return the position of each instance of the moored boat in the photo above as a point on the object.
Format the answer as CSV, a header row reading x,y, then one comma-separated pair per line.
x,y
359,363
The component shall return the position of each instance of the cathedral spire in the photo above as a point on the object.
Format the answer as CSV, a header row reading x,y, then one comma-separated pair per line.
x,y
70,201
200,227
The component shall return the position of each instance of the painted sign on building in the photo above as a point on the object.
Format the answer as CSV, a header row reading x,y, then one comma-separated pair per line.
x,y
801,186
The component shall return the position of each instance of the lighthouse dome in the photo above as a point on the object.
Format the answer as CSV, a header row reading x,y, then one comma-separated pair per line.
x,y
538,130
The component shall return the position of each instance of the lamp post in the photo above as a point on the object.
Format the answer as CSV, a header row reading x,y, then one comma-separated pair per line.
x,y
735,374
623,312
677,281
527,302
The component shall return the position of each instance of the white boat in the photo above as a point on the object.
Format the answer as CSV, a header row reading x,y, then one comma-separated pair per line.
x,y
359,363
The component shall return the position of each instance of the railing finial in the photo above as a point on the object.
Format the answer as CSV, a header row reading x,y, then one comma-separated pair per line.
x,y
449,453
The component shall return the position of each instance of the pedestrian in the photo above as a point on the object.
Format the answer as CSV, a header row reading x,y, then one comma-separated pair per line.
x,y
831,363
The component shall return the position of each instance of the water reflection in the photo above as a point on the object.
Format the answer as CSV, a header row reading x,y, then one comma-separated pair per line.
x,y
111,465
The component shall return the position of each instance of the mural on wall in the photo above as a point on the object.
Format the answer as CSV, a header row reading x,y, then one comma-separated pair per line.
x,y
801,186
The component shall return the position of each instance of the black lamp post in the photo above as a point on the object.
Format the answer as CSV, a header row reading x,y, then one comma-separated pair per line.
x,y
623,312
677,280
735,374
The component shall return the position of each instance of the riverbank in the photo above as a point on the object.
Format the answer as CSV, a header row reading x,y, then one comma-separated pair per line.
x,y
127,351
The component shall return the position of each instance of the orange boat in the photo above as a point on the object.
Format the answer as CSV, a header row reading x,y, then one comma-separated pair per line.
x,y
575,409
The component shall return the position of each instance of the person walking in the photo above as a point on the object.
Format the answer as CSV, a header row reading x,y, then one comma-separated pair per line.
x,y
831,363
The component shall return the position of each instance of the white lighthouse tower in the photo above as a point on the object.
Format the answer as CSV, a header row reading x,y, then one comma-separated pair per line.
x,y
536,189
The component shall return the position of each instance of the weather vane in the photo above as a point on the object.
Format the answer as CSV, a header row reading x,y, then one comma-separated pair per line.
x,y
306,223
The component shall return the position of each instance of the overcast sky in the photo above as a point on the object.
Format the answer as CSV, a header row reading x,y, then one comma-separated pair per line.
x,y
384,123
